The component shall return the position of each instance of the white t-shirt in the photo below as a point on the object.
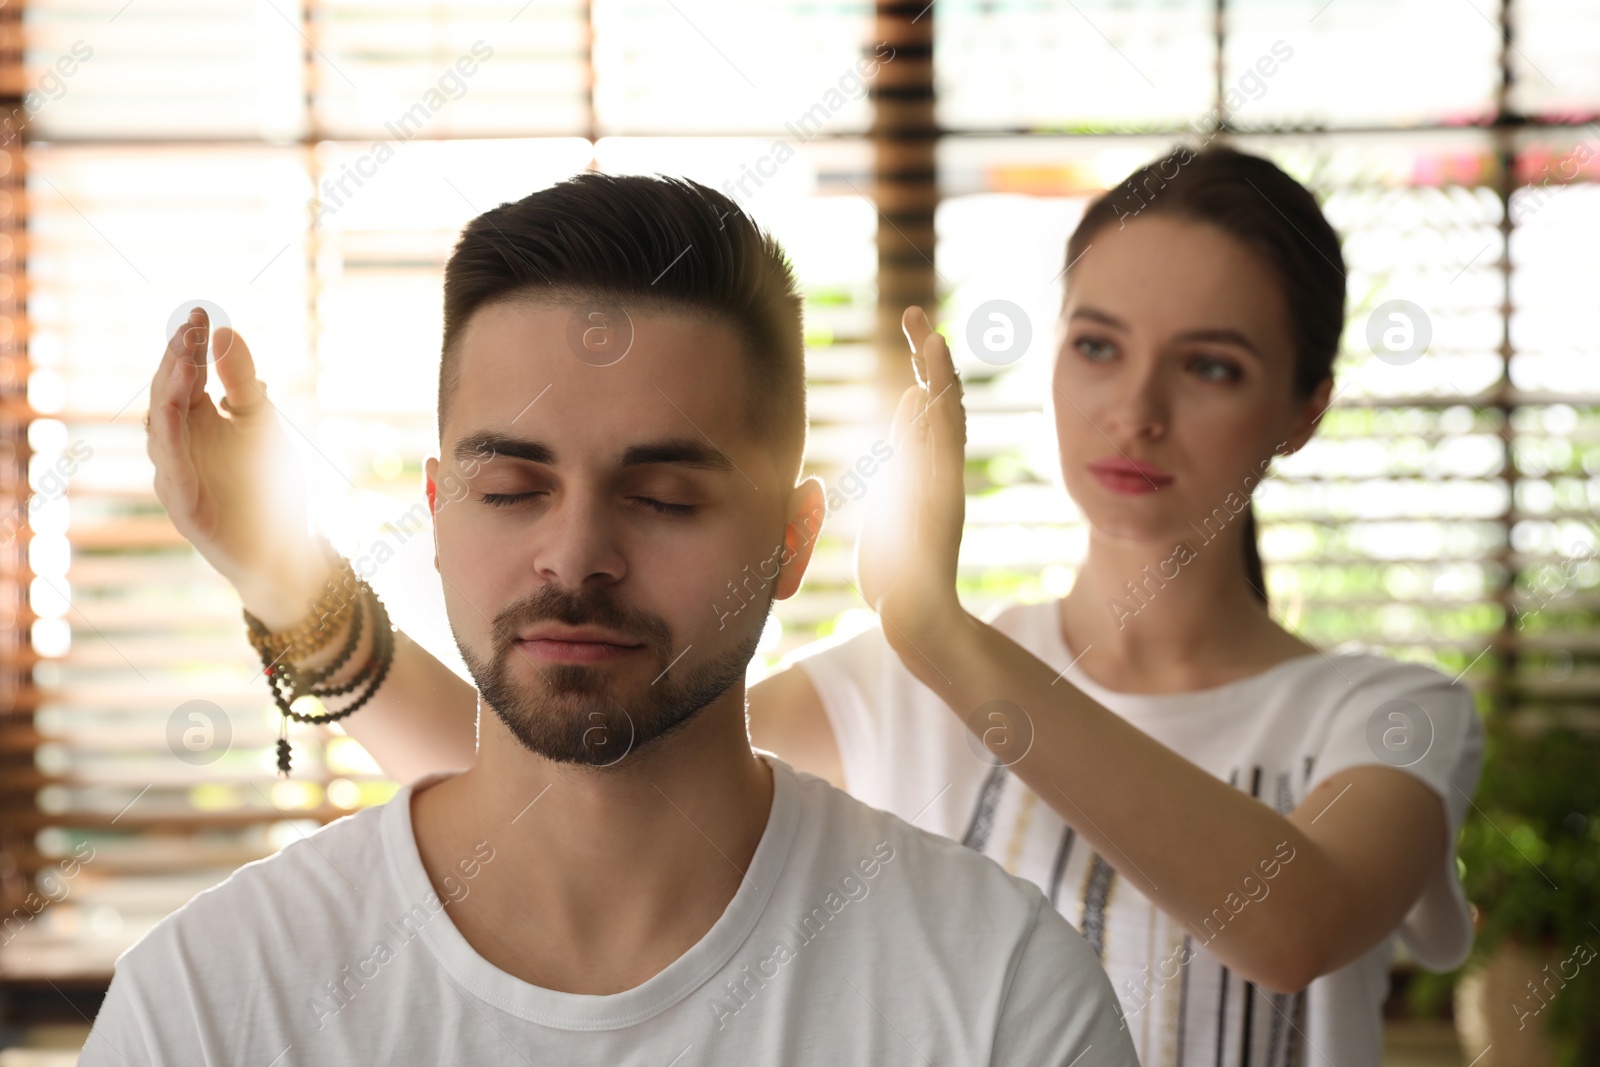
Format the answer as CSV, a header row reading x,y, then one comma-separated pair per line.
x,y
1276,735
854,938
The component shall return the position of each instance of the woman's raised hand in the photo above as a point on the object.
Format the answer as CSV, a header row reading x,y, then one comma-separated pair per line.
x,y
906,556
230,482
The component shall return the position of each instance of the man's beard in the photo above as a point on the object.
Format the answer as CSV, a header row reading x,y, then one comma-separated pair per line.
x,y
568,713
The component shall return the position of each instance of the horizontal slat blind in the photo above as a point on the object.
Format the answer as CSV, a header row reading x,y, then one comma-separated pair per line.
x,y
1555,332
327,251
398,70
132,624
1438,496
167,69
781,67
1382,63
1078,65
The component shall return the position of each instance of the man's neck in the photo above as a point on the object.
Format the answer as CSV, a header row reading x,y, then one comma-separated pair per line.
x,y
600,878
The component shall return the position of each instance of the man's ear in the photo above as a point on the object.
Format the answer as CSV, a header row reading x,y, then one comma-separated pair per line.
x,y
430,467
807,508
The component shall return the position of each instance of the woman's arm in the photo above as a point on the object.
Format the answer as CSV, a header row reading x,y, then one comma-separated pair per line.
x,y
787,718
1343,868
1346,865
231,485
423,718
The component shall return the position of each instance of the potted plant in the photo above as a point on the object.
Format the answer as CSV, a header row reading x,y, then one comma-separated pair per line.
x,y
1530,858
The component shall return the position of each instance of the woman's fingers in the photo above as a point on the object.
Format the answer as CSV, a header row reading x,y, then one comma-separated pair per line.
x,y
914,324
888,529
177,482
236,368
937,365
946,403
941,387
905,412
198,340
174,375
169,385
906,554
169,359
177,396
930,355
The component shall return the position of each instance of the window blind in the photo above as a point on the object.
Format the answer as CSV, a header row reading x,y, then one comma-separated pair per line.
x,y
231,151
312,193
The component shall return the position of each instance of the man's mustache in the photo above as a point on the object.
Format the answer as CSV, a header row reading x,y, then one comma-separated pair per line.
x,y
555,605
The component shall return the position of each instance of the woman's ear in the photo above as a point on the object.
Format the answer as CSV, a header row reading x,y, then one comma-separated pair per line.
x,y
1315,406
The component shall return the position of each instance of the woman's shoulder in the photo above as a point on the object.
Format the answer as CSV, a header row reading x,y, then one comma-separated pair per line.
x,y
855,641
1033,624
1355,666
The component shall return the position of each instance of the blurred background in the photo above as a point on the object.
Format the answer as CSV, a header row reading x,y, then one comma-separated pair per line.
x,y
305,166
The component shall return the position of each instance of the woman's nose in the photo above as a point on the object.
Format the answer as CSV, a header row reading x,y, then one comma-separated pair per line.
x,y
1139,404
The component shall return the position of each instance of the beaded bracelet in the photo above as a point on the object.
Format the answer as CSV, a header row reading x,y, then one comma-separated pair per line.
x,y
327,616
283,674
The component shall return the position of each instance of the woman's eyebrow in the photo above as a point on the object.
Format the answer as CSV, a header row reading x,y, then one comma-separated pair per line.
x,y
1222,335
1096,315
1219,334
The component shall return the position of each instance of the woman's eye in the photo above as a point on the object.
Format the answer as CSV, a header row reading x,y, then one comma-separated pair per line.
x,y
1215,370
666,508
505,500
1095,349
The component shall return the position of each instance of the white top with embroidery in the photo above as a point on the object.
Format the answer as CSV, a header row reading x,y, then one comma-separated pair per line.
x,y
1276,735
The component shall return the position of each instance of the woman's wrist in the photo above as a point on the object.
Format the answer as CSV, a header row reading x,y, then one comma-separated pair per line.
x,y
927,649
283,595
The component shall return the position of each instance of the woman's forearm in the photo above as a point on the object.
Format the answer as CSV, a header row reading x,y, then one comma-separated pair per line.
x,y
1181,836
422,718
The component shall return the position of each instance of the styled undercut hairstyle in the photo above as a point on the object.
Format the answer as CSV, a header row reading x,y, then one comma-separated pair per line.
x,y
646,244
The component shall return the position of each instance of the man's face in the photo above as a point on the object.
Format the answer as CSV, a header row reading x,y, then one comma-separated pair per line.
x,y
619,502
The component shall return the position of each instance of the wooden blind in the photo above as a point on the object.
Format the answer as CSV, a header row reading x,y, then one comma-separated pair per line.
x,y
312,195
1443,512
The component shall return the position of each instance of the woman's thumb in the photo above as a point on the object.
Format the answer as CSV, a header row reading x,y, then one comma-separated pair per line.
x,y
237,369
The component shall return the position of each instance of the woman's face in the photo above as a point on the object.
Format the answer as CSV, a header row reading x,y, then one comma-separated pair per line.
x,y
1173,379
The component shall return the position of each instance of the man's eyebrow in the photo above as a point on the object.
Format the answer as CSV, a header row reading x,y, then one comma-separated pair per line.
x,y
682,451
486,443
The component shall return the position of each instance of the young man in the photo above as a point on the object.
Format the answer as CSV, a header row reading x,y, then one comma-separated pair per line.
x,y
618,878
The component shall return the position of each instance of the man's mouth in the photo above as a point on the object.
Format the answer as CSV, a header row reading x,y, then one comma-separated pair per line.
x,y
576,644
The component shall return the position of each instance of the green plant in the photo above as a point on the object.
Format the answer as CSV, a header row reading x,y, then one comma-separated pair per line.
x,y
1530,858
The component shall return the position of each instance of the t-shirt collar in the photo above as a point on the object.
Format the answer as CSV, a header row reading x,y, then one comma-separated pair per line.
x,y
582,1011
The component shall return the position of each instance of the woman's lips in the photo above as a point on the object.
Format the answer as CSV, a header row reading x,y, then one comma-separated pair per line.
x,y
1130,477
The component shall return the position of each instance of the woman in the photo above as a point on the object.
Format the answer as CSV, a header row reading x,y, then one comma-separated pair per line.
x,y
1239,823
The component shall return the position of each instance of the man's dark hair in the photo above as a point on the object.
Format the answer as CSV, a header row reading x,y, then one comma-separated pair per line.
x,y
647,243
